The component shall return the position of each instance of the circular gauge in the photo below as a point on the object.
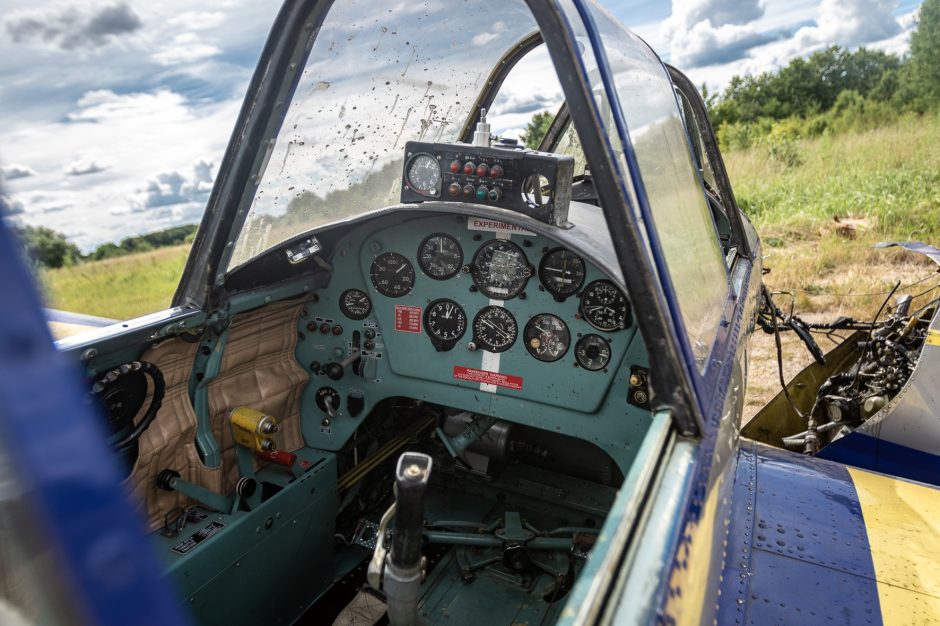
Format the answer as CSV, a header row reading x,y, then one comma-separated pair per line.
x,y
604,306
424,175
392,274
355,304
445,322
546,337
440,256
592,352
500,269
561,272
494,329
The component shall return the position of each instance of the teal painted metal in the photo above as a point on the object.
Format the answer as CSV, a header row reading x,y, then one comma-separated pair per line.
x,y
235,577
554,396
208,447
585,600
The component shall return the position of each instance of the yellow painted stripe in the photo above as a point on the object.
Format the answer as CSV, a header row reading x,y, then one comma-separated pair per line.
x,y
933,337
903,524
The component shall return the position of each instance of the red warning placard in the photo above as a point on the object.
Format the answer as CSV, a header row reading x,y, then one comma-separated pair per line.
x,y
489,378
407,318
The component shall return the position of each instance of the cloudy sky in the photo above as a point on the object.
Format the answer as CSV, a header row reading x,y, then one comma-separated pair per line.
x,y
116,112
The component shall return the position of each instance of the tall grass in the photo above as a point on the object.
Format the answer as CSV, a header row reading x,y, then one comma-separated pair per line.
x,y
119,288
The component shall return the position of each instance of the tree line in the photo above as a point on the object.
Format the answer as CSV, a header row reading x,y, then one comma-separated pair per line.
x,y
46,247
833,90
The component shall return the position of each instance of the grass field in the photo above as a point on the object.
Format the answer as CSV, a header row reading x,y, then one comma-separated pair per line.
x,y
120,288
880,185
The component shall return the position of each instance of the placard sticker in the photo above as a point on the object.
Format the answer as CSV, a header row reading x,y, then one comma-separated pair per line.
x,y
489,378
196,538
407,318
481,223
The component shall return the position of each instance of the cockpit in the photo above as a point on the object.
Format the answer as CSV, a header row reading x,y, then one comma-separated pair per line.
x,y
405,373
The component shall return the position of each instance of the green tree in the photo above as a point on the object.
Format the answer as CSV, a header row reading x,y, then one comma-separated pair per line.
x,y
47,247
536,129
924,64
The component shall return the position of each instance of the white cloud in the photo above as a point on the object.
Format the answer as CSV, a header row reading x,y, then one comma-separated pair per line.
x,y
185,48
13,171
9,206
84,166
168,188
198,20
850,23
706,32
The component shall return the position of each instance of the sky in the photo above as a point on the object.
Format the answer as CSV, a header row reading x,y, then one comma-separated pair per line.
x,y
116,113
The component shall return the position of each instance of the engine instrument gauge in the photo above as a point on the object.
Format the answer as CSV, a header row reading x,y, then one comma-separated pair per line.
x,y
546,337
605,307
440,256
494,329
392,274
500,269
424,175
561,272
355,304
445,322
592,352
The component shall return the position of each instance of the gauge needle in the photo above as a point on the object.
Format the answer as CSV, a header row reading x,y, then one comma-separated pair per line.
x,y
400,269
496,328
594,308
447,311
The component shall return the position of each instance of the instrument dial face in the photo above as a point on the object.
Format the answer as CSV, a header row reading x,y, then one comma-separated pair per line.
x,y
440,256
605,307
355,304
445,322
500,269
392,275
424,175
592,352
494,329
561,272
546,337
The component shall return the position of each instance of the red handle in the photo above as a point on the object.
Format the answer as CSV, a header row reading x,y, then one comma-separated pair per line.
x,y
277,456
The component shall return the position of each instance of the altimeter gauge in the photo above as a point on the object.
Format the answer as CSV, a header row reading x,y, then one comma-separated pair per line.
x,y
440,256
546,337
355,304
445,322
494,329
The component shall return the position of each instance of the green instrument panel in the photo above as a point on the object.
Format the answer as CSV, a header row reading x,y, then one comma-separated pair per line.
x,y
467,313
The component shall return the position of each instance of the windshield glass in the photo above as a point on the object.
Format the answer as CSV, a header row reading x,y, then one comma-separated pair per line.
x,y
375,78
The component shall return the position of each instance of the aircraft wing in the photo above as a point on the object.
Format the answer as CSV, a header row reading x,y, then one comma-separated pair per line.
x,y
817,542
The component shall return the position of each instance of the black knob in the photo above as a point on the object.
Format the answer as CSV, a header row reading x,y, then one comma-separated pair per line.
x,y
333,370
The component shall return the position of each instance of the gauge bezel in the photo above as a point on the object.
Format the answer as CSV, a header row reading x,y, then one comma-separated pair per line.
x,y
480,344
567,294
442,344
590,337
411,270
532,321
440,172
421,259
626,310
345,310
482,285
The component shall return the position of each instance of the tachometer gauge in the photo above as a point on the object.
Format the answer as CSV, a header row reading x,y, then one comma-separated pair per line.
x,y
392,275
494,329
440,256
424,175
546,337
605,307
500,269
561,272
592,352
355,304
445,323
